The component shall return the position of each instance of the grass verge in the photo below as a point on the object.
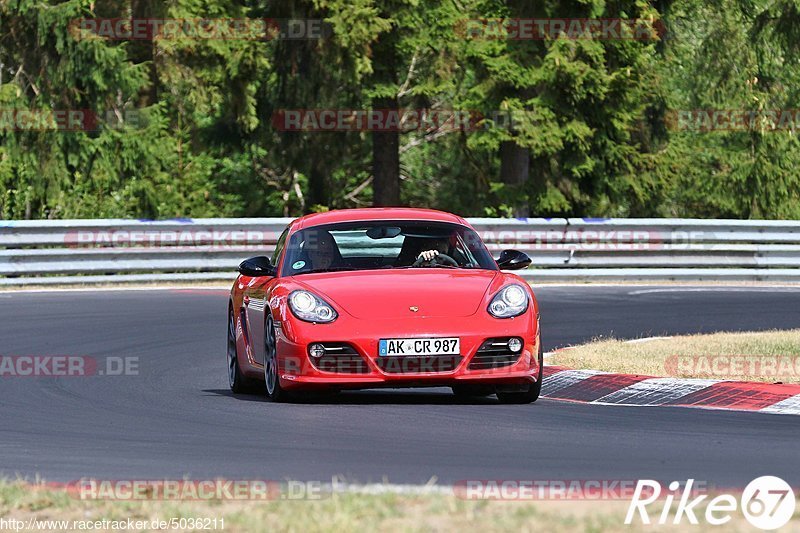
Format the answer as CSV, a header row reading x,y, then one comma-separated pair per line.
x,y
766,356
338,512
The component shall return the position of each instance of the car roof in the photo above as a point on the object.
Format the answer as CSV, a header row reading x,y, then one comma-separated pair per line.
x,y
376,213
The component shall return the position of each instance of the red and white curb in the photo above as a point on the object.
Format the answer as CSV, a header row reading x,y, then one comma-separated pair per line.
x,y
607,388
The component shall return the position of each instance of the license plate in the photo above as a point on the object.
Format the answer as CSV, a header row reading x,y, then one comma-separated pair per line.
x,y
425,346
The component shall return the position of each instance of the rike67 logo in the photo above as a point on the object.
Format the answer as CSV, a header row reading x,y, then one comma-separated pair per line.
x,y
767,503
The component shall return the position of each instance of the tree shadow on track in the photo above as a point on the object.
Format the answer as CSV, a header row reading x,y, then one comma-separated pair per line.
x,y
369,397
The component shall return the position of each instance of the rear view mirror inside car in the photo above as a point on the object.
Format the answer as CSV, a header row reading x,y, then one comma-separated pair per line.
x,y
383,232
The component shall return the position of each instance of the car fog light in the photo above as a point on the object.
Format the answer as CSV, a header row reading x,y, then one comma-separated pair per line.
x,y
514,344
316,350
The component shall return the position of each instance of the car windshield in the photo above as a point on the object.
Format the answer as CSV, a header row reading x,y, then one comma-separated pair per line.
x,y
385,245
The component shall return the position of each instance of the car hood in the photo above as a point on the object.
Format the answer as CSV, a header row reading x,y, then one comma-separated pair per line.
x,y
387,294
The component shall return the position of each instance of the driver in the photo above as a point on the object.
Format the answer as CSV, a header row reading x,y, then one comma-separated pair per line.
x,y
321,250
439,247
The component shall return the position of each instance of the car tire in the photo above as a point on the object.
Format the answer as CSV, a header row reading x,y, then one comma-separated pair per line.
x,y
534,389
272,381
238,382
472,391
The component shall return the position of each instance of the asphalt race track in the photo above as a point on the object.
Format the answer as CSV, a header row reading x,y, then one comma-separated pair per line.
x,y
177,418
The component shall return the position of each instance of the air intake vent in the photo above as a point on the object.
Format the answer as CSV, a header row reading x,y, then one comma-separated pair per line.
x,y
418,364
340,358
494,353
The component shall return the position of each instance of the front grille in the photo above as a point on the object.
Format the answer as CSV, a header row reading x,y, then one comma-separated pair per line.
x,y
494,353
415,364
340,358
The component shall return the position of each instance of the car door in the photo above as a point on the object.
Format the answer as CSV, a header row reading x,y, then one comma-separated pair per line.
x,y
256,304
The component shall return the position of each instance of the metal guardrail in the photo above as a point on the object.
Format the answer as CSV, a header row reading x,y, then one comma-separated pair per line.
x,y
574,249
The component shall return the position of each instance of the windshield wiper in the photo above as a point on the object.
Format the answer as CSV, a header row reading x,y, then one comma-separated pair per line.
x,y
405,267
329,269
385,267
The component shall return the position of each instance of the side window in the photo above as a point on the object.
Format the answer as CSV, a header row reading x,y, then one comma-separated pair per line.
x,y
279,247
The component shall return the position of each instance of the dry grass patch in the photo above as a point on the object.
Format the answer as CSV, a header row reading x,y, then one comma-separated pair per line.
x,y
344,513
766,356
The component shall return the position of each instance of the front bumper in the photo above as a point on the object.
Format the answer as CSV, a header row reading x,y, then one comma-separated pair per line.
x,y
298,371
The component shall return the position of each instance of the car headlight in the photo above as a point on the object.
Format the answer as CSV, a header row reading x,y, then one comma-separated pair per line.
x,y
512,300
311,308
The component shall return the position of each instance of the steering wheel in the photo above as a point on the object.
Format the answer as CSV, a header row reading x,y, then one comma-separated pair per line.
x,y
441,259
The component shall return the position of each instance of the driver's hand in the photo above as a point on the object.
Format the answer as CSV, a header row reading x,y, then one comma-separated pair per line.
x,y
427,255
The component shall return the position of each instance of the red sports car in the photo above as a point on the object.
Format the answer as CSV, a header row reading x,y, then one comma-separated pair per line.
x,y
384,297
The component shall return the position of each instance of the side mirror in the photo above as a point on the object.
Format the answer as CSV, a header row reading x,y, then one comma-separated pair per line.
x,y
513,260
257,267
